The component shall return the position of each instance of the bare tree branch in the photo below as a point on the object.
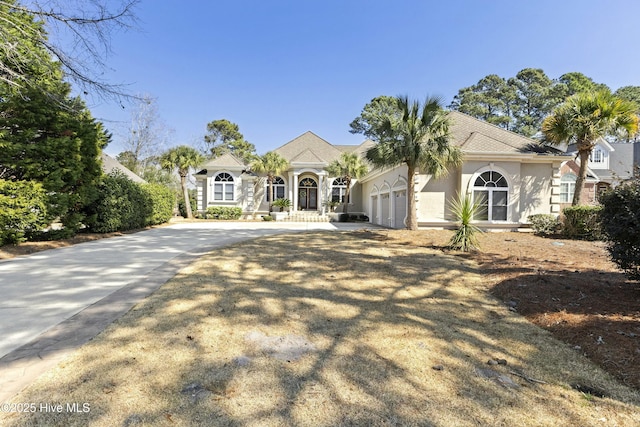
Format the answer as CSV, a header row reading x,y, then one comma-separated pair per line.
x,y
80,33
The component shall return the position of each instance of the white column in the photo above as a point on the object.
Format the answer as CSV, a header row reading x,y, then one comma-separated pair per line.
x,y
295,192
321,193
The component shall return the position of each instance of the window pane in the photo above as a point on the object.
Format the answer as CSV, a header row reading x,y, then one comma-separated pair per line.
x,y
499,213
501,182
482,198
217,192
335,194
279,192
564,192
228,193
500,198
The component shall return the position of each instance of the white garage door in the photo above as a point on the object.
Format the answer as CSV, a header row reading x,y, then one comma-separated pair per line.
x,y
399,209
374,209
384,208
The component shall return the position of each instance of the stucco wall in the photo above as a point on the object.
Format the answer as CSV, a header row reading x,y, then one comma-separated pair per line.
x,y
535,191
434,196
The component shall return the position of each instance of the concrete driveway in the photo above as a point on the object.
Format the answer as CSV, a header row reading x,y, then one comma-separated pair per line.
x,y
54,301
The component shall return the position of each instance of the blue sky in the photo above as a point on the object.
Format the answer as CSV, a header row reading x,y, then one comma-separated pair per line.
x,y
278,68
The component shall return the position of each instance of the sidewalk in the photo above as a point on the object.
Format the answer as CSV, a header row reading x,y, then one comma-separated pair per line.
x,y
55,301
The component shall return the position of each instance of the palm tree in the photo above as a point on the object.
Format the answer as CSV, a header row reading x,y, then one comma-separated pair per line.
x,y
583,119
349,166
272,164
417,136
182,158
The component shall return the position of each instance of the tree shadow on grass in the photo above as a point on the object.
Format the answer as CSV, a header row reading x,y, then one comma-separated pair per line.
x,y
399,336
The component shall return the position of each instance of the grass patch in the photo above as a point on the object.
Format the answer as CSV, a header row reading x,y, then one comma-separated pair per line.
x,y
391,334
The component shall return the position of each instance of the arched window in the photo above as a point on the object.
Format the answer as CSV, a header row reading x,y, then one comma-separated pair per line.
x,y
339,190
491,190
278,189
223,187
567,187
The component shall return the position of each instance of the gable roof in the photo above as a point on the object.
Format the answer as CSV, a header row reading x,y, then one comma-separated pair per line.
x,y
226,161
309,148
476,136
109,164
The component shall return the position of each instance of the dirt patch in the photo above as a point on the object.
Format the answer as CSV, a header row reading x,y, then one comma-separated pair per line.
x,y
567,287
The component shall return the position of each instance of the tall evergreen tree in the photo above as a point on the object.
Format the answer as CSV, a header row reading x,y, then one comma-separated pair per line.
x,y
224,137
491,100
533,100
47,136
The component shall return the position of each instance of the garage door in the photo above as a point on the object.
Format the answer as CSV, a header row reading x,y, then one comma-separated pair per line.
x,y
374,209
399,209
384,210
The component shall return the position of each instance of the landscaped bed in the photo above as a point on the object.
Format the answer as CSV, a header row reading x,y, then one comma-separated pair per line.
x,y
361,328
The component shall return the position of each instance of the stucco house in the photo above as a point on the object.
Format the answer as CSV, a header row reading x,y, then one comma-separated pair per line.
x,y
510,174
610,164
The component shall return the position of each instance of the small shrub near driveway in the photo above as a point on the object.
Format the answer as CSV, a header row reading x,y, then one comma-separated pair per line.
x,y
222,212
544,224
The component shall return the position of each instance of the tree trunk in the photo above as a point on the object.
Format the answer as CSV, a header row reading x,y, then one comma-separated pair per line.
x,y
582,176
345,207
185,194
412,218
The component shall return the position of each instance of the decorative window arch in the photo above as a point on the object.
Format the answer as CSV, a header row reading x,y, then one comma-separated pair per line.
x,y
308,182
278,189
223,187
339,190
567,187
491,190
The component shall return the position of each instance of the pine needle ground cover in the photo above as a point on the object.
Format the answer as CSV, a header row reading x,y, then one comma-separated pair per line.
x,y
329,329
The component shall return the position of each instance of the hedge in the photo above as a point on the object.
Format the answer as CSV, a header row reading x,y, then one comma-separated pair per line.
x,y
163,199
223,212
125,205
22,210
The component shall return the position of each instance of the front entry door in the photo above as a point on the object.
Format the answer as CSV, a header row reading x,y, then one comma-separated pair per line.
x,y
308,194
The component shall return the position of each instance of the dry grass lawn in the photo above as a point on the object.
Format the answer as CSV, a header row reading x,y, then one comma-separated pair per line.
x,y
328,329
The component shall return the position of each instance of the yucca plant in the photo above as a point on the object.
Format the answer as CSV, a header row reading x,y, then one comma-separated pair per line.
x,y
466,236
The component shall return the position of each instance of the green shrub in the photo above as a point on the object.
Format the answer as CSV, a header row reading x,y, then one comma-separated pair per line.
x,y
163,199
544,224
122,205
223,212
22,210
267,218
582,222
621,226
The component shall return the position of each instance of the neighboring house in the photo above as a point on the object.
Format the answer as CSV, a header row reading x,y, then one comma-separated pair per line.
x,y
609,165
510,174
109,164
